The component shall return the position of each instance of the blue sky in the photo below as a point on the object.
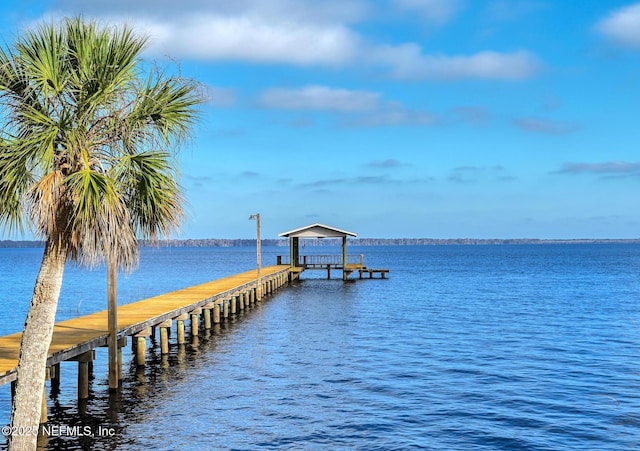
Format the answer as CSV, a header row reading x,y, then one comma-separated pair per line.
x,y
399,118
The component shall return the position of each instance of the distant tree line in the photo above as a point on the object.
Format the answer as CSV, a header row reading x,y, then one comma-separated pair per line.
x,y
242,242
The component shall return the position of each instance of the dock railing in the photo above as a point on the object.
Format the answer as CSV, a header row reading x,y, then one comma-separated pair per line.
x,y
316,261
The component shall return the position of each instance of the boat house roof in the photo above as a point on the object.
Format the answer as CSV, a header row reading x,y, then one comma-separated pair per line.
x,y
317,231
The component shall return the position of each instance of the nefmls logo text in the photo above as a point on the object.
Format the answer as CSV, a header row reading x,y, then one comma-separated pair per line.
x,y
57,430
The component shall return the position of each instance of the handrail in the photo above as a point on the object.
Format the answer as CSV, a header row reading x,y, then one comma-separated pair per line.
x,y
322,260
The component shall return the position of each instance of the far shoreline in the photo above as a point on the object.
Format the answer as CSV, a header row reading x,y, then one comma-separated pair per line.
x,y
243,242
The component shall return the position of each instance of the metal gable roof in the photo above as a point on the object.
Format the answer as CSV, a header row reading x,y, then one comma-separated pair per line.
x,y
317,230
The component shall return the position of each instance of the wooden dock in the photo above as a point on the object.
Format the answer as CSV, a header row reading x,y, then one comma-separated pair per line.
x,y
202,305
355,263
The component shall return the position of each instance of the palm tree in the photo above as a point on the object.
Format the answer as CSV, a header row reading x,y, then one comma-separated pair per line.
x,y
87,139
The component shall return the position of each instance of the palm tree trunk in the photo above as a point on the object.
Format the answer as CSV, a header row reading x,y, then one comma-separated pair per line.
x,y
34,348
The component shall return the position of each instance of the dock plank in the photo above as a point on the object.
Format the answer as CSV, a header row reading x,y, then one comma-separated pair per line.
x,y
75,336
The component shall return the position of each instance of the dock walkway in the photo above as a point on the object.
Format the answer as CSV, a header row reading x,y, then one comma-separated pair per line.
x,y
75,338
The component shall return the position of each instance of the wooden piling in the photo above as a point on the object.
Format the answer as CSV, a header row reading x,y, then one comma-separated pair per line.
x,y
141,350
206,314
195,322
83,373
180,326
216,314
141,346
164,336
55,378
122,342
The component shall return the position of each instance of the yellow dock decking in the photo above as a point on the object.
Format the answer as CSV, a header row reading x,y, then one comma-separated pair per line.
x,y
76,336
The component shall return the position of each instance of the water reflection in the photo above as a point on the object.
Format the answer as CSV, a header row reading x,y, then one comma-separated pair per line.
x,y
78,427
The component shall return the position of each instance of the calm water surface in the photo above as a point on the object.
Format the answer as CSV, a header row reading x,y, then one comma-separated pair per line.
x,y
464,347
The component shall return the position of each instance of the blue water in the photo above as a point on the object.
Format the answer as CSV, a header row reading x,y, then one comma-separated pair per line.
x,y
533,347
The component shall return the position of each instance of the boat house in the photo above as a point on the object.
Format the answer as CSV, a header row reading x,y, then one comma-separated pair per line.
x,y
348,264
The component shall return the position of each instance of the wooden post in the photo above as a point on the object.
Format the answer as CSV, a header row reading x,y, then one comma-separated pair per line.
x,y
164,336
216,314
233,304
112,320
122,342
164,340
141,346
180,326
195,322
141,350
225,308
55,379
83,373
206,312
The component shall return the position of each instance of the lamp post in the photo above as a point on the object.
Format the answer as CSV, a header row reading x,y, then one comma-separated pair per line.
x,y
259,256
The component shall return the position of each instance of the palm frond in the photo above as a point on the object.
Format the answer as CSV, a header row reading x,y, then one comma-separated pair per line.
x,y
15,180
153,194
99,222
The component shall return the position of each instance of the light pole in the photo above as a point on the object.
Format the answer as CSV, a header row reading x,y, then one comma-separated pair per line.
x,y
258,249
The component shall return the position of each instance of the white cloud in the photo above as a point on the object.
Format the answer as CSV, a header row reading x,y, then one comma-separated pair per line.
x,y
298,32
320,98
252,39
436,11
622,25
408,62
